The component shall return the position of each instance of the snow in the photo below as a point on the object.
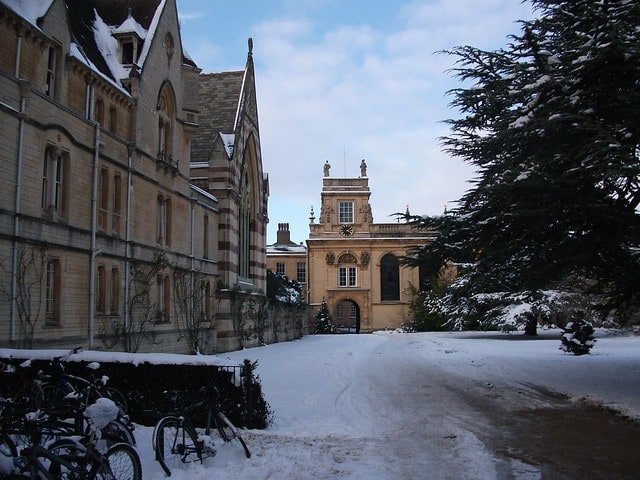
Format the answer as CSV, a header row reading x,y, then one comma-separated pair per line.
x,y
393,405
30,10
108,47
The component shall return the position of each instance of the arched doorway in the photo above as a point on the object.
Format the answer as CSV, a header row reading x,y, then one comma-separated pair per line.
x,y
347,317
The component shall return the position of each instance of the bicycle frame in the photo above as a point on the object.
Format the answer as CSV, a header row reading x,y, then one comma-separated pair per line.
x,y
34,465
190,442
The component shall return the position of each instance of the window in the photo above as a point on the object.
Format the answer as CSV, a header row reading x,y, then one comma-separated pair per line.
x,y
101,290
99,112
301,272
205,301
345,212
347,276
51,72
128,50
163,299
244,229
205,239
389,278
114,305
339,312
280,268
54,189
163,140
164,221
52,292
103,198
116,213
113,119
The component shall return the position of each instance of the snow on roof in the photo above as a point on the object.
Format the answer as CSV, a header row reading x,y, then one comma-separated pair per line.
x,y
151,33
30,10
130,26
228,140
78,54
204,192
108,47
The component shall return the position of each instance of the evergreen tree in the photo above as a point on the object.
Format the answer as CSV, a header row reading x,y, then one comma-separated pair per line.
x,y
552,124
324,321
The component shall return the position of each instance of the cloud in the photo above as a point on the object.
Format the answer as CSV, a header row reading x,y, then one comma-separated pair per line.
x,y
363,88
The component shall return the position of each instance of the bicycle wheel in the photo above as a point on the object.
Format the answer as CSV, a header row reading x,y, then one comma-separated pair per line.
x,y
121,462
55,395
174,442
73,454
29,398
117,432
228,432
118,398
7,454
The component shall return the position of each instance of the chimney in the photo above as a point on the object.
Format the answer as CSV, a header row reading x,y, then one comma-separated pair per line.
x,y
284,235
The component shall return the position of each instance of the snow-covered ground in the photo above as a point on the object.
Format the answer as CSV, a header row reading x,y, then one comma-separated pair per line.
x,y
408,406
392,405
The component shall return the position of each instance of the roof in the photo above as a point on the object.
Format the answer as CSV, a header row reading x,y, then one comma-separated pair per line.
x,y
276,249
218,105
93,22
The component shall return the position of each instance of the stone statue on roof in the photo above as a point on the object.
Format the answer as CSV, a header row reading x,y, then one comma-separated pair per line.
x,y
363,168
327,167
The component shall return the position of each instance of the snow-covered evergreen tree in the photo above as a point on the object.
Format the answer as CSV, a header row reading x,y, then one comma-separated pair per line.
x,y
552,124
324,321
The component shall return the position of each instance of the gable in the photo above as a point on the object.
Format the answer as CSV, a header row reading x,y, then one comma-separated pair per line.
x,y
218,104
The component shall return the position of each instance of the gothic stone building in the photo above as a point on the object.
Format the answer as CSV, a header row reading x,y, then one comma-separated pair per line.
x,y
353,262
105,241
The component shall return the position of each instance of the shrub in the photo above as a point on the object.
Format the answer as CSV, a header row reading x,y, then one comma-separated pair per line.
x,y
577,337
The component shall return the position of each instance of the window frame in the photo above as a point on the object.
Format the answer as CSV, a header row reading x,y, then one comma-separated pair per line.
x,y
347,277
389,278
52,292
345,211
301,272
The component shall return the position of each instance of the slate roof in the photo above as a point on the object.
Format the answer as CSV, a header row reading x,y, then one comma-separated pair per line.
x,y
218,104
113,12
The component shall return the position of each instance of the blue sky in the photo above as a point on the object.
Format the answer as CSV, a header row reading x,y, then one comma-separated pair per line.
x,y
343,80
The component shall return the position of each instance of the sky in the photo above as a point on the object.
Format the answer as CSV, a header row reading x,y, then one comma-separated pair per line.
x,y
346,80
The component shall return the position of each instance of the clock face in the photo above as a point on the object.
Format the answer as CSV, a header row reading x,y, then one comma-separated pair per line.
x,y
346,230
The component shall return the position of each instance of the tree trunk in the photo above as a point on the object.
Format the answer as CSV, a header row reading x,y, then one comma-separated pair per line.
x,y
531,327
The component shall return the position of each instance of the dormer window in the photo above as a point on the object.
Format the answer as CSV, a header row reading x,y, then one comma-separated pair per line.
x,y
130,47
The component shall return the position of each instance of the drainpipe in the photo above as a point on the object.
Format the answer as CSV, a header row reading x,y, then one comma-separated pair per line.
x,y
24,89
127,238
16,68
94,221
192,278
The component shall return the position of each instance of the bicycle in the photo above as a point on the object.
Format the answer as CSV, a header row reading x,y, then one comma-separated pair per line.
x,y
175,438
69,458
64,384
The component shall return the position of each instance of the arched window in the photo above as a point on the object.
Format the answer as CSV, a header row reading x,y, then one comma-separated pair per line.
x,y
244,228
389,278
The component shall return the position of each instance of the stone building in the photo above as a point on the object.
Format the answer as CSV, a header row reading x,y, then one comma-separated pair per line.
x,y
286,257
105,241
353,263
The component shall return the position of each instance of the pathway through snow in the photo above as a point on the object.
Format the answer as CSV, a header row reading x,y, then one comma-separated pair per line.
x,y
435,406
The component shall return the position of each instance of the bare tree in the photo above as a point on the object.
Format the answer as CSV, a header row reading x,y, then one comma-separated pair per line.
x,y
260,315
239,318
29,277
192,305
142,308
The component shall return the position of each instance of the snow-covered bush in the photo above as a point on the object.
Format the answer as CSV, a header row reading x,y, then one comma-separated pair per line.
x,y
427,308
577,337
